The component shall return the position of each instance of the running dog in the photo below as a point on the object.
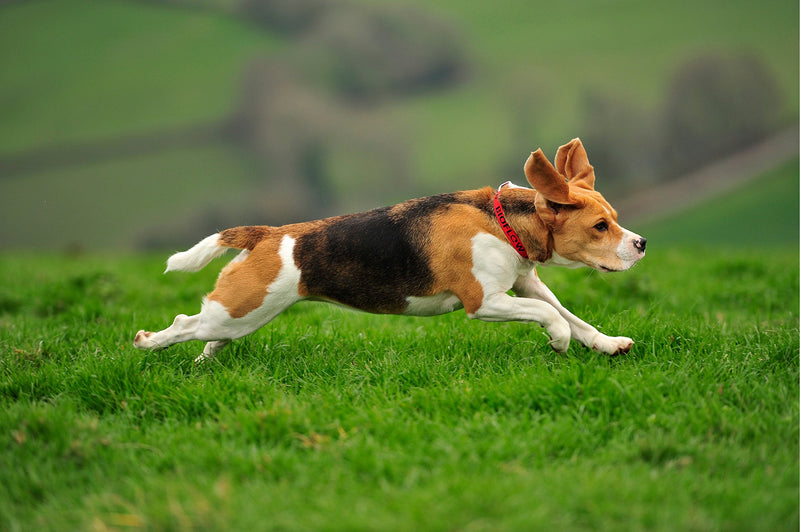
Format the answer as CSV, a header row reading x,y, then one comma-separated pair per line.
x,y
422,257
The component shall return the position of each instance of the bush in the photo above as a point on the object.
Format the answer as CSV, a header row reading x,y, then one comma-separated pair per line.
x,y
284,16
367,53
621,139
715,106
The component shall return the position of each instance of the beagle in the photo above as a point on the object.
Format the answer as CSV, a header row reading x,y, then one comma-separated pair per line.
x,y
422,257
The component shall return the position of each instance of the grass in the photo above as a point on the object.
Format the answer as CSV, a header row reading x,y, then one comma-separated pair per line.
x,y
333,420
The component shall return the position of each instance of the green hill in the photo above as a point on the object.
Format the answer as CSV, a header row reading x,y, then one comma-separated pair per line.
x,y
76,71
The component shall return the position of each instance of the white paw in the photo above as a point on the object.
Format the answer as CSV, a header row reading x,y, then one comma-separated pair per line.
x,y
560,335
144,340
612,345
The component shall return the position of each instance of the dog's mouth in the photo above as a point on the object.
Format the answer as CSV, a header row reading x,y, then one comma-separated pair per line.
x,y
626,265
606,269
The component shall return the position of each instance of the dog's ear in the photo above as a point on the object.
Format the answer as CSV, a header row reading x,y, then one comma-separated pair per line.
x,y
553,190
545,179
573,163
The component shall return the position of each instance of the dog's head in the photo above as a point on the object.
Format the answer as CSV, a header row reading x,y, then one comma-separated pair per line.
x,y
583,224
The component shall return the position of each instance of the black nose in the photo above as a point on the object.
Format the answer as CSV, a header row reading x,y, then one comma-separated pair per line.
x,y
640,244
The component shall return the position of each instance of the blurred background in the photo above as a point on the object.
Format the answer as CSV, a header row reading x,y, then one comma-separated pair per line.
x,y
133,125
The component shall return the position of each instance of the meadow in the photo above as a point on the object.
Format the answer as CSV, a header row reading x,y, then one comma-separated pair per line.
x,y
334,420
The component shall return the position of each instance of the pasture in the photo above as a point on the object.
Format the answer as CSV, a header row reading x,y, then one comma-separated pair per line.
x,y
333,420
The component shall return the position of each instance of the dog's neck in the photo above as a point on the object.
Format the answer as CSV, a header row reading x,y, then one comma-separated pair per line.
x,y
518,205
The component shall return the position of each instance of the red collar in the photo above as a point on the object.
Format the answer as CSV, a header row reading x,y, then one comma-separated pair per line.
x,y
511,235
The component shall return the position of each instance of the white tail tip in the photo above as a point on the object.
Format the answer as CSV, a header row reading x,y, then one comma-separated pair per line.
x,y
197,257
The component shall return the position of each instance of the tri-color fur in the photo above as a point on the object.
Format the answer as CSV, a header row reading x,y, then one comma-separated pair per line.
x,y
424,256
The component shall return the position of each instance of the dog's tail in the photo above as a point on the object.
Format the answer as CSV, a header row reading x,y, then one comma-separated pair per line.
x,y
211,247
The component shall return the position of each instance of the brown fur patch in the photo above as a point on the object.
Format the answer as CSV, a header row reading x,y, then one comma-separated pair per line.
x,y
577,239
451,253
242,286
245,237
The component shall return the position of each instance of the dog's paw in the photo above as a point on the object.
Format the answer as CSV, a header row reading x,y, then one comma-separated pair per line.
x,y
612,345
144,340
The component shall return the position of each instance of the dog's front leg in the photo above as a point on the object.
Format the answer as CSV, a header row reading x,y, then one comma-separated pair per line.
x,y
503,307
530,286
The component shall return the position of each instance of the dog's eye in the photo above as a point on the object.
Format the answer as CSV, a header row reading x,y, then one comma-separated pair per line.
x,y
602,227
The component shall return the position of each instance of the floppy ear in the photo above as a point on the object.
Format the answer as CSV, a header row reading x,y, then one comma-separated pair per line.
x,y
552,188
544,178
572,162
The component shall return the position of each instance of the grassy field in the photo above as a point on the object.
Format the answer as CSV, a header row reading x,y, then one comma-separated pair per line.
x,y
331,420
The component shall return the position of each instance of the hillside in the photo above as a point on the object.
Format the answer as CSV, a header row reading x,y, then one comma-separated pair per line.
x,y
78,70
77,73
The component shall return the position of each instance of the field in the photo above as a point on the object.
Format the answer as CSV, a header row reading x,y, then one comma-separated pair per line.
x,y
332,420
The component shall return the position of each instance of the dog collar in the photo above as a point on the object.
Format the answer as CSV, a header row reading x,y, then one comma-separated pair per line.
x,y
511,235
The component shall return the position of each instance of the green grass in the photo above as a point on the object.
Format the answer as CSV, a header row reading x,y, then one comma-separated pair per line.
x,y
331,420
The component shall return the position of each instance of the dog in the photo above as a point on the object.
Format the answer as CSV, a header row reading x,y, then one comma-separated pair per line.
x,y
422,257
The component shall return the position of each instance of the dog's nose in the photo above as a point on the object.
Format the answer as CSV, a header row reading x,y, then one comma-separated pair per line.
x,y
640,244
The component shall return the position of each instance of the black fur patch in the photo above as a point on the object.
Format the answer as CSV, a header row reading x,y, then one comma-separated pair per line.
x,y
517,205
373,260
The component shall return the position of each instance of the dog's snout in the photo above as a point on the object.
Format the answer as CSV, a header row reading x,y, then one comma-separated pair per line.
x,y
640,244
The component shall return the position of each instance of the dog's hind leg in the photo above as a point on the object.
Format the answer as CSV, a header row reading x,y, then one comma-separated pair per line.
x,y
214,325
249,294
211,349
183,329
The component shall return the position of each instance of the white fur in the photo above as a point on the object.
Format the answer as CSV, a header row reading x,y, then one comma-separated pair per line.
x,y
498,269
558,260
497,266
531,286
433,305
509,184
626,250
197,257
